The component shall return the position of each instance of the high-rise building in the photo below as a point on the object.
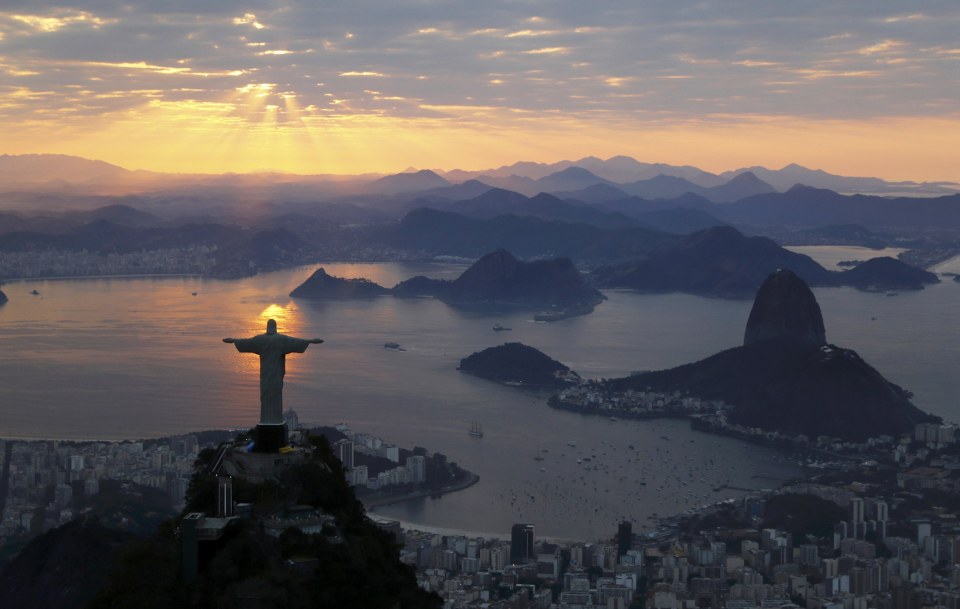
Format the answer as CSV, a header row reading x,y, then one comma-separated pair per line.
x,y
521,543
417,467
343,449
224,497
291,419
856,510
624,537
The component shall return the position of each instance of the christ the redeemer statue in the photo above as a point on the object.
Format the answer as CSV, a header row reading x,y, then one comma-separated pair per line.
x,y
272,348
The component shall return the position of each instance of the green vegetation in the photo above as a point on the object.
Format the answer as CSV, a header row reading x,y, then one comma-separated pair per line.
x,y
802,515
516,363
355,566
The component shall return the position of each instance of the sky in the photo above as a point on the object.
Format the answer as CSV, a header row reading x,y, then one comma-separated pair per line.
x,y
306,86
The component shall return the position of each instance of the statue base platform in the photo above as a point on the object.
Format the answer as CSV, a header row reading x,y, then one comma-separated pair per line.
x,y
259,467
270,438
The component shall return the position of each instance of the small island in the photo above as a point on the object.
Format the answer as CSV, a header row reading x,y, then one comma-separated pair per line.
x,y
3,297
519,365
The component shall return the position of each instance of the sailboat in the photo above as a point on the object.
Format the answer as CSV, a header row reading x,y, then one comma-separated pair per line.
x,y
476,430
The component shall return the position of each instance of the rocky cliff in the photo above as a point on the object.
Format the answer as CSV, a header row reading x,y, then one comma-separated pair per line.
x,y
785,309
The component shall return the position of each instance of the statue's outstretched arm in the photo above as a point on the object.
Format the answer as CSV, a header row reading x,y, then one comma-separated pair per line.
x,y
313,341
230,340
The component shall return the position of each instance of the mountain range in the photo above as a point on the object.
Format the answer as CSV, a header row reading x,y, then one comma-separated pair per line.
x,y
63,172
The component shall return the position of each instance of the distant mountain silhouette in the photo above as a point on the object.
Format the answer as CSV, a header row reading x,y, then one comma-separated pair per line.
x,y
803,206
38,168
715,262
792,174
498,202
501,280
67,174
520,184
407,182
740,186
671,187
662,187
598,193
321,286
787,378
678,220
571,178
460,192
122,215
722,262
436,232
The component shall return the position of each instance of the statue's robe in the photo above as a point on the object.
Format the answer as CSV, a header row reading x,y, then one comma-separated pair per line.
x,y
272,349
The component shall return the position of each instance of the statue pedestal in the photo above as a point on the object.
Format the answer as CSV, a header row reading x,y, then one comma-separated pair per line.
x,y
259,467
270,438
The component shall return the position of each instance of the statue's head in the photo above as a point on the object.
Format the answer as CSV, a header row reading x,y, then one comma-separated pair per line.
x,y
271,326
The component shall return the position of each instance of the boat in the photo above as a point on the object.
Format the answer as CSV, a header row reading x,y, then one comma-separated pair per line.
x,y
34,292
394,346
499,328
476,430
538,456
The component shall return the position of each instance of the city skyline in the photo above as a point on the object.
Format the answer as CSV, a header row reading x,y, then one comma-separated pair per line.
x,y
851,88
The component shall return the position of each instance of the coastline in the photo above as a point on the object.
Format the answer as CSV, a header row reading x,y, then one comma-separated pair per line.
x,y
376,502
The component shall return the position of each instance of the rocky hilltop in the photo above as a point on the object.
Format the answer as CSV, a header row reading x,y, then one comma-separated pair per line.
x,y
518,364
786,376
350,562
887,273
555,288
321,286
500,279
785,310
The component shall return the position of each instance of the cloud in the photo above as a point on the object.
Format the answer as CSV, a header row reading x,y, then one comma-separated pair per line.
x,y
249,19
600,62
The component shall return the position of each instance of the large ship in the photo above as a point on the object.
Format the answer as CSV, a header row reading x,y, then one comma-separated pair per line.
x,y
476,430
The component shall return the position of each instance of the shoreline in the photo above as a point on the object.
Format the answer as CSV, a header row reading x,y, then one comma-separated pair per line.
x,y
376,502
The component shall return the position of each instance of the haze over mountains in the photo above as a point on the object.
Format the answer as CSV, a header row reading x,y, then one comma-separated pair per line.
x,y
627,216
634,177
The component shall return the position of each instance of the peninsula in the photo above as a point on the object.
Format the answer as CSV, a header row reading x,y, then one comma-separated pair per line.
x,y
786,377
552,289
